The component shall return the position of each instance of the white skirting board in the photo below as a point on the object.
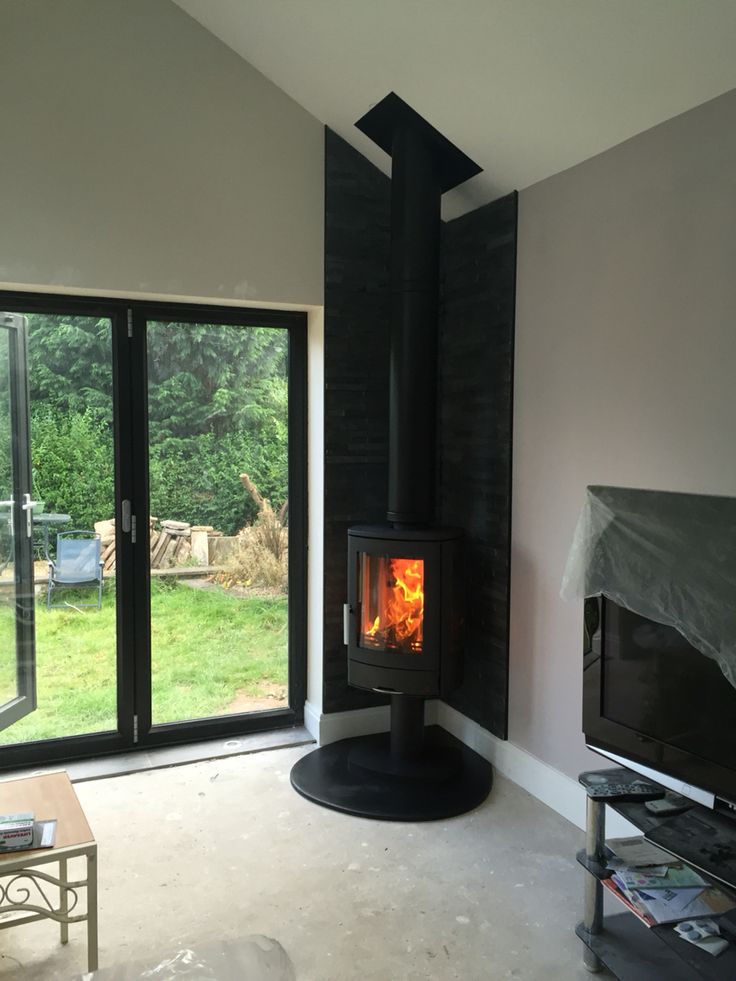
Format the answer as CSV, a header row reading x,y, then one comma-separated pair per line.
x,y
553,788
328,728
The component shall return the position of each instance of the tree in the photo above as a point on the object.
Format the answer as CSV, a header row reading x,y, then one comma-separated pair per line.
x,y
70,363
217,405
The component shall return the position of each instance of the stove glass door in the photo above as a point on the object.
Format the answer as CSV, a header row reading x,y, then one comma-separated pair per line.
x,y
391,597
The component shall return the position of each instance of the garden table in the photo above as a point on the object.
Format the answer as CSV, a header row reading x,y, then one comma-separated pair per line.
x,y
24,887
46,522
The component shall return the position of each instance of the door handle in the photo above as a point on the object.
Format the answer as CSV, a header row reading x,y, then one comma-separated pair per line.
x,y
28,505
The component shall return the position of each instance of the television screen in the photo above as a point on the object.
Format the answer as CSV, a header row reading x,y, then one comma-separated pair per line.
x,y
656,683
650,697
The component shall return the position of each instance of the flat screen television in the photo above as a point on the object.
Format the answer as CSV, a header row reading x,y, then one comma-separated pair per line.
x,y
655,703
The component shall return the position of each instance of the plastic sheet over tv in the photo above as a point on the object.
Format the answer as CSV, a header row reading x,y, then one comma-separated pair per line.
x,y
667,556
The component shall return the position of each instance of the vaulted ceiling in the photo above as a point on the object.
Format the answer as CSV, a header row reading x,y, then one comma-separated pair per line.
x,y
525,87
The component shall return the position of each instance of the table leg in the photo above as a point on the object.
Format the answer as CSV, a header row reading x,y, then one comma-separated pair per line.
x,y
63,899
595,840
92,952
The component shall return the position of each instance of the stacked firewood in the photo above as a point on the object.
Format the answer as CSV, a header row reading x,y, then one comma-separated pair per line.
x,y
171,544
106,531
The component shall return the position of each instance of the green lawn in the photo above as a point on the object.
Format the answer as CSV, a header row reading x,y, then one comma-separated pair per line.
x,y
208,647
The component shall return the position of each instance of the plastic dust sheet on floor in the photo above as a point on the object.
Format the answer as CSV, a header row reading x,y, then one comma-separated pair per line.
x,y
253,958
666,556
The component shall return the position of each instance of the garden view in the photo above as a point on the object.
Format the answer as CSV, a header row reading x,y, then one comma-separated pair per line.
x,y
218,476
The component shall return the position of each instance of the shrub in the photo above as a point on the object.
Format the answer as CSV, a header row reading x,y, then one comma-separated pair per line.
x,y
254,564
197,480
261,555
73,464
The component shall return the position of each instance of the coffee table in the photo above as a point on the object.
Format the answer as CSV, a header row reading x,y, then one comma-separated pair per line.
x,y
29,890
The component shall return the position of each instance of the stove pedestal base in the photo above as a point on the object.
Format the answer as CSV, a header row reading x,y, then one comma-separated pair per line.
x,y
361,776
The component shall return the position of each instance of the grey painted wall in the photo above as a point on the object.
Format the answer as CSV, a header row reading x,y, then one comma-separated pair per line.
x,y
139,153
625,374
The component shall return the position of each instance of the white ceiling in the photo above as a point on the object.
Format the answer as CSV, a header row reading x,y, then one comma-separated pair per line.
x,y
525,87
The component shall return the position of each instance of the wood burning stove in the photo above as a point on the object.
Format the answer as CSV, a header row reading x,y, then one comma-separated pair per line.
x,y
403,619
403,616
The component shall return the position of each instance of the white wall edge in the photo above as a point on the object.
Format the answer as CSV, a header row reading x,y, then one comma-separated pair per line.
x,y
553,788
312,719
358,722
315,512
329,727
156,297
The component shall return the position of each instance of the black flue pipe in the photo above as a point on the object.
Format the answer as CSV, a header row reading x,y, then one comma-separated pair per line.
x,y
415,249
424,165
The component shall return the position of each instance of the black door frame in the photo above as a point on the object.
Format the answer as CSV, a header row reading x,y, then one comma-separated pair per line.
x,y
129,369
296,323
24,701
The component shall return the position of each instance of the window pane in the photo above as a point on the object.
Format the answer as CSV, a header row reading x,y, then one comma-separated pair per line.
x,y
70,381
218,481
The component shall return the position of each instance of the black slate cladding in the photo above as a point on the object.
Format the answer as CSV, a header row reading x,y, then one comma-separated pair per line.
x,y
357,244
476,330
475,401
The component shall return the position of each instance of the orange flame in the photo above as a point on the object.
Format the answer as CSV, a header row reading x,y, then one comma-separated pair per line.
x,y
394,619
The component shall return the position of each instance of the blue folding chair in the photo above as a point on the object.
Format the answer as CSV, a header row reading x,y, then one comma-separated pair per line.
x,y
77,565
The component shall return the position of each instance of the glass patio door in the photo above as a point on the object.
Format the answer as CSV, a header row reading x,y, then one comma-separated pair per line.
x,y
220,520
61,479
17,653
152,524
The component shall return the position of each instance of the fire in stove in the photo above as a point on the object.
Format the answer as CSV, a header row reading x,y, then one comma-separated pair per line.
x,y
392,603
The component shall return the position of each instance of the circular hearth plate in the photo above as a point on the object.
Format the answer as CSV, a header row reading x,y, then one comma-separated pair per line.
x,y
331,777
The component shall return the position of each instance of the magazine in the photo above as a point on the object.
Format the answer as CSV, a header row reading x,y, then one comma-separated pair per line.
x,y
674,877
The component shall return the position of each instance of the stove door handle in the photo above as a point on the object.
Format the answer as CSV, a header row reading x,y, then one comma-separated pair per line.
x,y
347,612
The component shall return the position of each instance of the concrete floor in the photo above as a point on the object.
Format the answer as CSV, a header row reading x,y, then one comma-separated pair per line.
x,y
226,848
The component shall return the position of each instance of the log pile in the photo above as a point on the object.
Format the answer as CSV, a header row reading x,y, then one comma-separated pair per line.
x,y
106,531
171,543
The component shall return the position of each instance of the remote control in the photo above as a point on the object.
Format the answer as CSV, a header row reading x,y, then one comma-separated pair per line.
x,y
619,784
669,804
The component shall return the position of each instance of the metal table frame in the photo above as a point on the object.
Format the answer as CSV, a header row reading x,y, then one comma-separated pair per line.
x,y
24,889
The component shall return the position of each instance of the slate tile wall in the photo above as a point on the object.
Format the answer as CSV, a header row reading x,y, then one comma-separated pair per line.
x,y
357,245
474,411
476,345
